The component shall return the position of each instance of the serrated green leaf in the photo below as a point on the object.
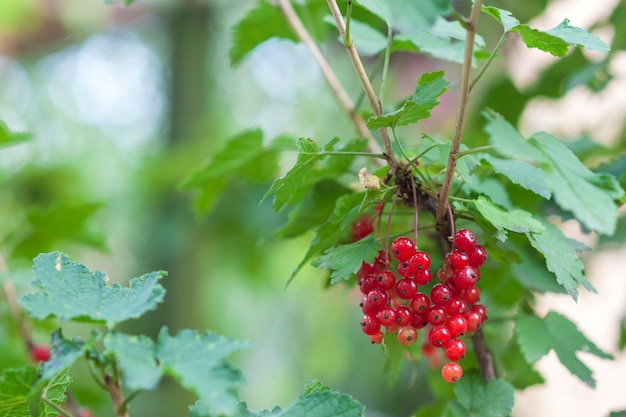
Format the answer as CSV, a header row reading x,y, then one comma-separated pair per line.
x,y
504,17
516,369
196,361
345,260
536,337
69,291
429,87
241,156
533,275
561,259
315,400
588,195
135,358
494,398
576,36
15,390
8,137
63,354
517,220
521,173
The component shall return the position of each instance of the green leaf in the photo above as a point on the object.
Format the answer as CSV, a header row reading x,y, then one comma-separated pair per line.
x,y
315,400
15,390
576,36
196,361
63,354
485,399
8,137
504,17
429,87
536,337
69,291
516,370
135,358
561,259
345,260
521,173
406,15
533,275
618,414
241,156
518,221
621,343
589,196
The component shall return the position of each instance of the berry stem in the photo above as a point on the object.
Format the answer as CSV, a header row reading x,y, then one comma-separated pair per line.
x,y
483,356
335,85
393,204
452,228
489,60
470,34
416,223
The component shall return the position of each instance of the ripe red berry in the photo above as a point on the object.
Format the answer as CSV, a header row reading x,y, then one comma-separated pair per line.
x,y
386,316
457,259
456,324
473,320
419,261
362,228
481,310
451,372
478,256
455,350
404,270
465,240
407,335
403,316
402,248
420,303
406,288
419,321
470,295
439,336
39,353
455,306
423,276
377,338
370,324
440,294
368,284
377,298
435,315
466,277
386,279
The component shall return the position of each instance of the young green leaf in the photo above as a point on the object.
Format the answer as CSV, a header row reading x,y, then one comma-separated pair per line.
x,y
561,259
517,220
8,137
69,291
196,361
429,87
486,399
504,17
135,358
63,354
15,392
315,400
345,260
537,336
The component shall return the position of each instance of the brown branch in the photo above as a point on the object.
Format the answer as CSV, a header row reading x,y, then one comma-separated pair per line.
x,y
483,356
365,83
462,109
344,100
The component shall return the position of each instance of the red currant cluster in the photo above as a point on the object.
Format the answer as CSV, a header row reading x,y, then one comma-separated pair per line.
x,y
393,301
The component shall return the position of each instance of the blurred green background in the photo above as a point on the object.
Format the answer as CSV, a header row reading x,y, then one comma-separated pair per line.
x,y
123,103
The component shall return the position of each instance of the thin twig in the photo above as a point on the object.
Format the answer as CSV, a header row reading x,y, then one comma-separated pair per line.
x,y
365,82
483,355
462,109
344,100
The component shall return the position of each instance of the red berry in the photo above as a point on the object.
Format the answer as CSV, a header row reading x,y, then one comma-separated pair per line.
x,y
481,310
404,270
435,315
457,259
440,294
456,324
419,321
362,228
407,335
377,298
403,316
439,336
466,277
455,306
478,256
473,320
420,303
370,325
423,277
386,316
465,240
368,284
455,350
386,279
39,353
451,372
470,295
366,269
402,248
377,338
419,261
406,288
